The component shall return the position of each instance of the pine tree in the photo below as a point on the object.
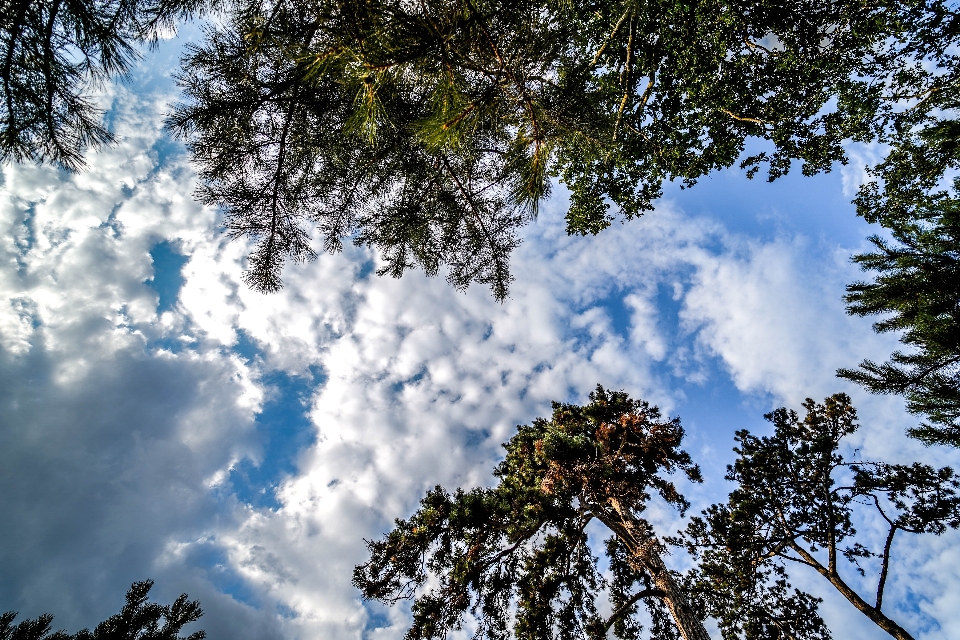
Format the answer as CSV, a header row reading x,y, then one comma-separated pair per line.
x,y
53,53
432,130
917,278
517,557
139,619
526,538
518,553
794,505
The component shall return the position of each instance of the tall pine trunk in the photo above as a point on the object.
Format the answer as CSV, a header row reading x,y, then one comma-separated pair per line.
x,y
645,553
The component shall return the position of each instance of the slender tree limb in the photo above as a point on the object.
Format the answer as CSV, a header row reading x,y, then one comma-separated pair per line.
x,y
625,607
742,118
854,598
885,565
610,37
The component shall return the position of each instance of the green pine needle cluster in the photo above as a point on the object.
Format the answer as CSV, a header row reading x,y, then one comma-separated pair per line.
x,y
53,54
432,131
916,284
139,619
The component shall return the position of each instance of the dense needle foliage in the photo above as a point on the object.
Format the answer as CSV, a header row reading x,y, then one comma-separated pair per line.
x,y
517,555
795,503
916,285
53,54
139,619
432,130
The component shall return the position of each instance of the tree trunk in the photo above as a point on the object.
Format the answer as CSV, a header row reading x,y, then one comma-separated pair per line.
x,y
646,551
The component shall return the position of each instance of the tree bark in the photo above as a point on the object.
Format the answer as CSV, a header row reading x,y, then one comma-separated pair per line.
x,y
646,551
874,613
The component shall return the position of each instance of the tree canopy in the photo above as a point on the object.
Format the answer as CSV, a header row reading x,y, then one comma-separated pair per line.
x,y
796,503
519,559
139,619
432,130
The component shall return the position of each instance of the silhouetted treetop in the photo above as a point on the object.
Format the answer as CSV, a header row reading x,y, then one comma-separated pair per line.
x,y
796,500
139,619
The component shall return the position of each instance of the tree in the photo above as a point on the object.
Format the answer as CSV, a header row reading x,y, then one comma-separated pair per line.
x,y
139,619
432,130
519,552
52,53
917,277
794,504
517,556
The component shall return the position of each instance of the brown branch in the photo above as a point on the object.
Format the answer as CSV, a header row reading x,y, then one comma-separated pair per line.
x,y
469,198
854,598
606,42
627,71
18,24
876,503
928,371
281,153
460,117
521,87
832,525
649,90
756,45
742,118
923,95
797,560
637,535
885,566
625,607
506,552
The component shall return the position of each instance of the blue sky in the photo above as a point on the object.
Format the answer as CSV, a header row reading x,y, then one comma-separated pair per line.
x,y
160,420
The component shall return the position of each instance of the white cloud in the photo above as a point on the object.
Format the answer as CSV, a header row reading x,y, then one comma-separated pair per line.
x,y
776,318
107,439
861,156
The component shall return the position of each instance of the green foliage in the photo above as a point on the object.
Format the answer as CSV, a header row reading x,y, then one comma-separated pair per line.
x,y
139,619
432,130
516,556
917,278
914,195
52,53
794,504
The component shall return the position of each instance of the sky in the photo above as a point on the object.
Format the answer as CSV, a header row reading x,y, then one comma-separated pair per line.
x,y
160,420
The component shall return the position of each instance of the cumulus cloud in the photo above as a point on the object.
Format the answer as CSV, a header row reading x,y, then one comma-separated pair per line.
x,y
124,426
861,156
424,382
111,436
